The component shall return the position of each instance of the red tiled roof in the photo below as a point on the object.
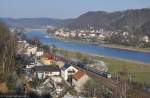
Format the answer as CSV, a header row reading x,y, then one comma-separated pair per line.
x,y
48,56
79,75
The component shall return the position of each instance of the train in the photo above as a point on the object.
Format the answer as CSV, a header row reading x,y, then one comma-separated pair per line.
x,y
84,65
98,72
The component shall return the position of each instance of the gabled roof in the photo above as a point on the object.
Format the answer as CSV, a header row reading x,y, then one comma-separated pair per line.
x,y
66,66
79,75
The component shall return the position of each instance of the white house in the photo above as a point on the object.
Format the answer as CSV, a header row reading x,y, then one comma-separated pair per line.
x,y
68,70
39,53
145,39
92,35
82,34
79,79
60,64
46,71
66,34
101,36
73,34
31,65
31,50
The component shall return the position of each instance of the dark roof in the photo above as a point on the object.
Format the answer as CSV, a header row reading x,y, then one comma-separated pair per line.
x,y
66,66
47,68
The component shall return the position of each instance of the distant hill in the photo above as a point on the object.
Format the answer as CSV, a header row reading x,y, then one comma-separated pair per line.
x,y
35,22
143,30
128,20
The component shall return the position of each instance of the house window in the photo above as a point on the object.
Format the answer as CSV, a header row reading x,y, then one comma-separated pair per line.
x,y
71,71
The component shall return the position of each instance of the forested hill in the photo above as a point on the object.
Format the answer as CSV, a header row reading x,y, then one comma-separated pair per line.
x,y
143,29
134,20
128,20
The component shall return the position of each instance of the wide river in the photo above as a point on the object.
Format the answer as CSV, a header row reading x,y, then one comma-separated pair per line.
x,y
90,48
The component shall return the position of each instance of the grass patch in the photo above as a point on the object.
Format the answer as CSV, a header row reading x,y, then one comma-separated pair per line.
x,y
135,72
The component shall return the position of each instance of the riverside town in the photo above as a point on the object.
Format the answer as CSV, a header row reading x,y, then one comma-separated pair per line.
x,y
74,49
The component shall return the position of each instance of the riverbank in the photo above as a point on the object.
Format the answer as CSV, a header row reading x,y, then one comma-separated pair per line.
x,y
115,46
132,71
73,40
129,48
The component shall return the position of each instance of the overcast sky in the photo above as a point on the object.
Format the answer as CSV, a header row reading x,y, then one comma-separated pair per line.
x,y
64,8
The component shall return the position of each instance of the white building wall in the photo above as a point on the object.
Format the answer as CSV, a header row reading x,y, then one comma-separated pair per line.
x,y
65,73
39,53
32,50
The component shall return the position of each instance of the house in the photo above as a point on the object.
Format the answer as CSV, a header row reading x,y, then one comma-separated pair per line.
x,y
30,62
79,79
67,71
22,46
145,39
92,35
46,71
58,83
59,88
47,59
60,64
46,87
101,37
82,34
31,65
39,52
73,34
31,50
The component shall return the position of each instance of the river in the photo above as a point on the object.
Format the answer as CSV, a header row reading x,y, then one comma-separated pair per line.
x,y
90,48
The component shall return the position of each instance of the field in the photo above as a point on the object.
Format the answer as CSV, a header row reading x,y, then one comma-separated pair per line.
x,y
135,72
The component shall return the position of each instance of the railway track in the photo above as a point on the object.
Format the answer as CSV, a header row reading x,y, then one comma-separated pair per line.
x,y
109,81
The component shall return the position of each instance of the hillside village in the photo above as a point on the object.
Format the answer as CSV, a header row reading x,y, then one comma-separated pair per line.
x,y
46,73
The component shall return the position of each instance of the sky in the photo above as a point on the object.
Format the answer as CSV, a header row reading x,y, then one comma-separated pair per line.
x,y
64,8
